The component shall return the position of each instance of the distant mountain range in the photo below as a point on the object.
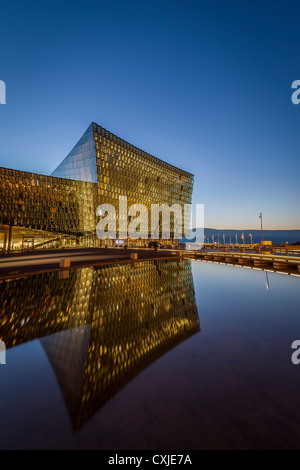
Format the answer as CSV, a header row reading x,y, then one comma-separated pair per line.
x,y
275,236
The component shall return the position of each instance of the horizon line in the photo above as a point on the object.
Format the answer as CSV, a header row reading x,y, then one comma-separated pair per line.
x,y
250,229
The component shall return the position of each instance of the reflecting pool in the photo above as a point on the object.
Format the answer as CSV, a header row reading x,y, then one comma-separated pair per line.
x,y
114,358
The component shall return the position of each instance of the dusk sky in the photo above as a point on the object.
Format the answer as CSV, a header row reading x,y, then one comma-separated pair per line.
x,y
203,85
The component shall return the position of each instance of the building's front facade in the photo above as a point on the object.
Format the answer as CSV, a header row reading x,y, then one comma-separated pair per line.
x,y
60,210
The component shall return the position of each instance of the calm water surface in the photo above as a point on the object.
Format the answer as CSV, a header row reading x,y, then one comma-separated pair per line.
x,y
158,355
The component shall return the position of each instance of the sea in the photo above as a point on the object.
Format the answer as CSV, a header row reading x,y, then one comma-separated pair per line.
x,y
277,237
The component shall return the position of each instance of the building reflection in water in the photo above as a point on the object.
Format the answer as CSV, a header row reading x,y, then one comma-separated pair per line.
x,y
101,326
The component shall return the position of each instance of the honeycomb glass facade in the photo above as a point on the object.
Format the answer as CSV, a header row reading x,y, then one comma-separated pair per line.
x,y
101,326
41,211
57,210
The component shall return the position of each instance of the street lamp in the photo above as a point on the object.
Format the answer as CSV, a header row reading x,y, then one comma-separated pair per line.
x,y
262,233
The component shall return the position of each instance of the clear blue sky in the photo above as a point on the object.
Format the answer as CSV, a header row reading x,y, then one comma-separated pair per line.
x,y
204,85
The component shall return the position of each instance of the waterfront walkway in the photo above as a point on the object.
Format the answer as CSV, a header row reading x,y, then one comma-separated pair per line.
x,y
21,264
268,262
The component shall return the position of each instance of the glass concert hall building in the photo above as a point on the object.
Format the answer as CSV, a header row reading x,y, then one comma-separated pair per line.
x,y
39,211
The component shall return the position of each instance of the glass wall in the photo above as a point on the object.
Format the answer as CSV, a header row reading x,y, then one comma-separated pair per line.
x,y
125,170
80,164
102,167
39,203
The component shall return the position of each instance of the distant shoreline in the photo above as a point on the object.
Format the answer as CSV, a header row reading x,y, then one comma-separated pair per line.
x,y
275,236
254,230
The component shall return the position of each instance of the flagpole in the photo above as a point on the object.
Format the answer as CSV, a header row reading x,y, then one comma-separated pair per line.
x,y
262,232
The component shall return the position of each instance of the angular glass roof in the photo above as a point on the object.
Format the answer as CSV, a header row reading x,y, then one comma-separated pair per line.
x,y
80,164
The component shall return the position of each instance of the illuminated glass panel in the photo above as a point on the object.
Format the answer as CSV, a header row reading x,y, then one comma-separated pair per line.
x,y
80,164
